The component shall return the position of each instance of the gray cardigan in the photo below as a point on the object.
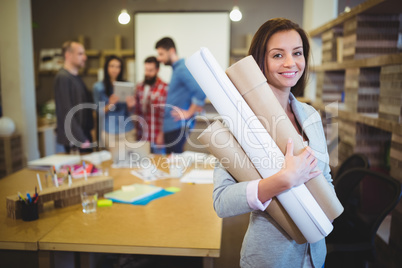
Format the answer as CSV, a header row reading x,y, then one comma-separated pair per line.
x,y
70,91
265,243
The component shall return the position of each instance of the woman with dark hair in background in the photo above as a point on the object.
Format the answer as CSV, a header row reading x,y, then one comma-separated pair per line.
x,y
281,49
115,124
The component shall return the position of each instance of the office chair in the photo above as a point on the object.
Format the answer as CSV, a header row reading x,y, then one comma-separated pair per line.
x,y
353,161
367,197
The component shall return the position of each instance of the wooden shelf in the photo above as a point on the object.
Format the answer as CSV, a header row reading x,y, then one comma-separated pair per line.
x,y
366,119
390,59
370,6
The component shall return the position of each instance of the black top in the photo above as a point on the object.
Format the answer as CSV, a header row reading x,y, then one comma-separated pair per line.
x,y
71,92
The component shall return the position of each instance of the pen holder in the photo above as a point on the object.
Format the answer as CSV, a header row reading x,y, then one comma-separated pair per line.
x,y
29,212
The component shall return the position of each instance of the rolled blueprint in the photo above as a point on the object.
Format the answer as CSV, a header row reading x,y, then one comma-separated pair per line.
x,y
228,151
257,143
252,85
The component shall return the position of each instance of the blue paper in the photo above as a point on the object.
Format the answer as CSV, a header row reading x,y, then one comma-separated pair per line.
x,y
144,201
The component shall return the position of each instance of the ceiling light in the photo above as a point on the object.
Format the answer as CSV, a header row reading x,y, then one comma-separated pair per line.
x,y
235,14
124,17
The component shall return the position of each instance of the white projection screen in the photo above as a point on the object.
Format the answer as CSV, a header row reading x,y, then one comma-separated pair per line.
x,y
189,30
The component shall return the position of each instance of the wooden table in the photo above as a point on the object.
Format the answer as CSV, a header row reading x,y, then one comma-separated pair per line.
x,y
182,224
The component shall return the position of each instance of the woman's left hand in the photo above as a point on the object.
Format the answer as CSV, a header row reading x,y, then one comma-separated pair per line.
x,y
130,101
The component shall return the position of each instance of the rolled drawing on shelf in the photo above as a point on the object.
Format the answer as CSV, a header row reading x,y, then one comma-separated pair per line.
x,y
257,143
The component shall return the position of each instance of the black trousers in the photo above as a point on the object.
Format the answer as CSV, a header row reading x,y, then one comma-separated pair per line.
x,y
68,148
174,140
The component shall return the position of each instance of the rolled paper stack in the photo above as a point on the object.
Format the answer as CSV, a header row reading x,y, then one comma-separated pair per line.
x,y
252,85
257,143
224,146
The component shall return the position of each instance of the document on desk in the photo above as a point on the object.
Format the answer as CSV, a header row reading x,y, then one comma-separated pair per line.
x,y
199,176
57,161
132,193
149,174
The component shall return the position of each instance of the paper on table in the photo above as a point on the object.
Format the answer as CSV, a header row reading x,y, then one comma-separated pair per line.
x,y
97,157
137,192
149,174
57,160
252,85
199,176
236,162
256,142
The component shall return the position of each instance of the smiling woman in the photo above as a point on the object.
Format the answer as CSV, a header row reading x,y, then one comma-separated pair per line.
x,y
281,49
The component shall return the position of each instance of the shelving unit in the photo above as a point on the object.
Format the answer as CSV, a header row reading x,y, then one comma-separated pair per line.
x,y
361,77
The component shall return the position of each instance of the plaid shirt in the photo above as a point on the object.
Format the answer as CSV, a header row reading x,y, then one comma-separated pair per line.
x,y
150,109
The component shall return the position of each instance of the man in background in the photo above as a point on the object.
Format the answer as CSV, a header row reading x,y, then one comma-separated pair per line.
x,y
150,96
185,98
71,91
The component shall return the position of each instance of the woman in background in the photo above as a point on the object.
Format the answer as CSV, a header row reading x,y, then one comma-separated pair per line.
x,y
281,49
115,125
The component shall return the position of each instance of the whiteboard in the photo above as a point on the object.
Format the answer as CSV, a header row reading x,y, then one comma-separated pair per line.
x,y
189,30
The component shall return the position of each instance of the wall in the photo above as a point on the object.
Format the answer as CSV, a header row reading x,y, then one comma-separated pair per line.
x,y
56,21
17,76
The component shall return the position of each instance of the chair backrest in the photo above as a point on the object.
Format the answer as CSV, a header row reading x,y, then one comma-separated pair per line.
x,y
353,161
367,197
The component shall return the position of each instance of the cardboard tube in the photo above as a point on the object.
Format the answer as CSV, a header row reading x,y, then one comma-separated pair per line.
x,y
252,85
223,145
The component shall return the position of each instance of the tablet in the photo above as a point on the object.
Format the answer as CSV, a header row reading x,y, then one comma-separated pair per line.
x,y
123,90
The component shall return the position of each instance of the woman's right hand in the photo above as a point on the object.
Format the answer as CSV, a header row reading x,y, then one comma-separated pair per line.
x,y
113,99
299,169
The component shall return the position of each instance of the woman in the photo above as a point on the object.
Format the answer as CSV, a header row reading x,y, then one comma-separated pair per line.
x,y
281,49
115,124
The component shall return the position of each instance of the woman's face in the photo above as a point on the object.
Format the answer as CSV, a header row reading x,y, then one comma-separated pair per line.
x,y
284,60
113,69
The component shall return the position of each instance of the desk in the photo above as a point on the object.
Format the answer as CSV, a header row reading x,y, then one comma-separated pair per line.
x,y
182,224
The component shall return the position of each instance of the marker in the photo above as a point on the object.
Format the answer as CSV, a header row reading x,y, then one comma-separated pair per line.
x,y
29,198
56,181
70,182
39,183
85,170
21,197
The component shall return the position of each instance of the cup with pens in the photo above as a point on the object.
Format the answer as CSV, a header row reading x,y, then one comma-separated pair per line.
x,y
29,206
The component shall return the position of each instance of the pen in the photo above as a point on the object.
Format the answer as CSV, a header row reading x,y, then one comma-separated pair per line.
x,y
85,170
70,182
29,198
39,182
56,181
36,199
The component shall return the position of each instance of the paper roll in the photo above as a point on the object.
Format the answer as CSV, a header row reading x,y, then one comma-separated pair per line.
x,y
228,151
252,85
257,143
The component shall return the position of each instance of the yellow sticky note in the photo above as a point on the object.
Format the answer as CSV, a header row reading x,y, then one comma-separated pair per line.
x,y
105,203
173,189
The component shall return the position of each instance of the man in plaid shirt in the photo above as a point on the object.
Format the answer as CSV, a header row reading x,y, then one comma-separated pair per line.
x,y
150,99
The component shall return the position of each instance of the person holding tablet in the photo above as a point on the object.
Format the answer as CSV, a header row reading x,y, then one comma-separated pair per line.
x,y
115,123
